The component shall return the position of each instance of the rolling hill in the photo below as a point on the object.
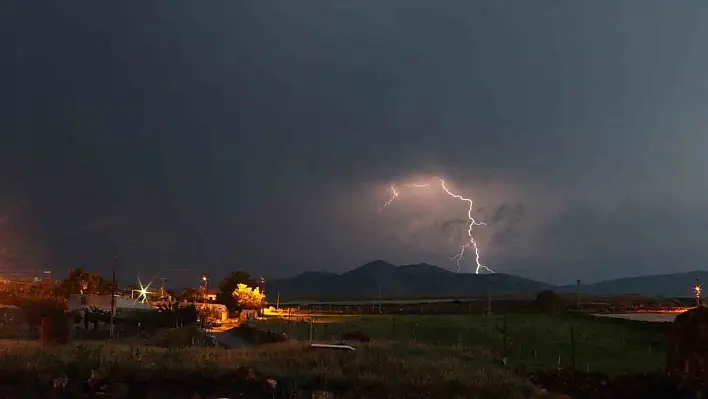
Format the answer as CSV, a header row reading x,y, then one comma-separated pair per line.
x,y
379,278
668,285
383,279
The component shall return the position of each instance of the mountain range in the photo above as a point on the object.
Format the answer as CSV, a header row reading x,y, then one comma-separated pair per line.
x,y
380,279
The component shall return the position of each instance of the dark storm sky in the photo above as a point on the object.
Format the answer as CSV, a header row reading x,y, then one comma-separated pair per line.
x,y
261,135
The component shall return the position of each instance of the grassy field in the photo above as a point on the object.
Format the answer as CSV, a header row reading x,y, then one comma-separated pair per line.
x,y
532,341
410,356
380,370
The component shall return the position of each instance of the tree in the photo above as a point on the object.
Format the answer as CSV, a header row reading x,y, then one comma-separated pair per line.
x,y
248,298
228,285
190,294
79,281
180,315
548,301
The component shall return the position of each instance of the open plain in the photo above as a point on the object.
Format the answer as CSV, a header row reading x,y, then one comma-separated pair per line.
x,y
528,341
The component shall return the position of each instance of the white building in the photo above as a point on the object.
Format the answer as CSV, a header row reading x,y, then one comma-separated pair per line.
x,y
103,302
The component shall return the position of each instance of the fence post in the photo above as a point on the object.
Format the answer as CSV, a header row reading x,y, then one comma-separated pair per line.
x,y
504,341
312,319
394,324
572,346
572,356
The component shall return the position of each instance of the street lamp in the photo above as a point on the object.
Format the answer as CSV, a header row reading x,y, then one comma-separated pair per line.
x,y
143,294
697,289
205,279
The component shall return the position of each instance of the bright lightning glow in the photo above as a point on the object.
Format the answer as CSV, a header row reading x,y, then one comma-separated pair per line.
x,y
698,290
472,222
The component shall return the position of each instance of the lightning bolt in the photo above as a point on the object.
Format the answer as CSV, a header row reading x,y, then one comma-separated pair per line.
x,y
472,222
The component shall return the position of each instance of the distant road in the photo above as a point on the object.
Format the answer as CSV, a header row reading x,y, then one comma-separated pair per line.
x,y
387,301
663,317
225,337
229,340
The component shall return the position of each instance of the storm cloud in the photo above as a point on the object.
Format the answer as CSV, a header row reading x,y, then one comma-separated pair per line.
x,y
263,135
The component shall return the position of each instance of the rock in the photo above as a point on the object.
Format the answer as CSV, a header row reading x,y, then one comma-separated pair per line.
x,y
60,382
271,384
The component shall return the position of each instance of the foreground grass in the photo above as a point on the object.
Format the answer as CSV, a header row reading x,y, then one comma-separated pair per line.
x,y
532,340
381,370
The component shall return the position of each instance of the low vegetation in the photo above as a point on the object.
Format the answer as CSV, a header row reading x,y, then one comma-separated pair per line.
x,y
381,370
248,297
457,351
527,341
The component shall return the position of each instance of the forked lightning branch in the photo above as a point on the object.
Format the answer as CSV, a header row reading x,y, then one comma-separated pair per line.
x,y
472,244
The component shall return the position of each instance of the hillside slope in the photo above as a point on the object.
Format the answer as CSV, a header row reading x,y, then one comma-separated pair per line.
x,y
383,279
668,285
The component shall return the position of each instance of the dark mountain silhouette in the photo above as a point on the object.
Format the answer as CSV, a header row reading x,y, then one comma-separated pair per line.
x,y
422,280
667,285
383,279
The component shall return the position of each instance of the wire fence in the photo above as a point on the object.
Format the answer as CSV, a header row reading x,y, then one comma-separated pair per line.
x,y
538,340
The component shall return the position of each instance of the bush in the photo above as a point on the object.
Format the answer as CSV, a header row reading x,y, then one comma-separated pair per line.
x,y
34,309
624,386
687,355
548,301
258,336
147,322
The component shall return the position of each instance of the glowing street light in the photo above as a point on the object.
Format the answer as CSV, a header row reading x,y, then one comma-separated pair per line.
x,y
143,292
205,279
697,289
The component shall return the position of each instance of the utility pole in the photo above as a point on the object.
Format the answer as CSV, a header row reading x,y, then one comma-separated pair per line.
x,y
113,297
162,288
577,295
205,325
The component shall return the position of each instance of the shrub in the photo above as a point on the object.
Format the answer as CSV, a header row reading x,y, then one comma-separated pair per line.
x,y
34,309
249,298
548,301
